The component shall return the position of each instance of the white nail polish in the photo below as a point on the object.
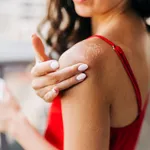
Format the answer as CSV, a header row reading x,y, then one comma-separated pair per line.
x,y
83,67
81,76
54,64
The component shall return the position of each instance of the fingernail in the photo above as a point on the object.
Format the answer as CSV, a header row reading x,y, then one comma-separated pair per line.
x,y
80,77
54,64
83,67
55,90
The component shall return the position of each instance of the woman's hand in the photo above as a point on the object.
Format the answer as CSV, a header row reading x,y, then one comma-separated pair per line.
x,y
9,109
48,80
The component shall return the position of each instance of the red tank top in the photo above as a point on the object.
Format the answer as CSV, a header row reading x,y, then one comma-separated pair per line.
x,y
124,138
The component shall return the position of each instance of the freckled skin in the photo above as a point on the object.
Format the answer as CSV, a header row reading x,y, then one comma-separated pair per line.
x,y
86,51
93,51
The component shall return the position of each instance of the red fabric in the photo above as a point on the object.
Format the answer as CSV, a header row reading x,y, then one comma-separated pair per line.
x,y
54,132
124,138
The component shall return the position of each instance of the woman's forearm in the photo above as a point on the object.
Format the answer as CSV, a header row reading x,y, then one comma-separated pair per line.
x,y
27,136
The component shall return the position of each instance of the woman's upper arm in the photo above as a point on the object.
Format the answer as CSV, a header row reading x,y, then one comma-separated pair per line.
x,y
86,113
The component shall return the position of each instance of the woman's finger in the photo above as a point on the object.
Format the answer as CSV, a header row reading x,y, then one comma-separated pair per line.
x,y
39,48
71,81
44,68
58,76
49,93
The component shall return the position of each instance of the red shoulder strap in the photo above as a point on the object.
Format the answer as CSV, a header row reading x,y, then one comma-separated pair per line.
x,y
127,67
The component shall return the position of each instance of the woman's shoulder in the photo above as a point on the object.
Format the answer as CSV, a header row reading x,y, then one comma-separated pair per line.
x,y
100,58
93,51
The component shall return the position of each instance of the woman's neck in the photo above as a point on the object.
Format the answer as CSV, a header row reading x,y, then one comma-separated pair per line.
x,y
103,22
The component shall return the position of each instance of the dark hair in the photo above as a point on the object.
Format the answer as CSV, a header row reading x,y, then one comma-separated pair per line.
x,y
142,7
76,28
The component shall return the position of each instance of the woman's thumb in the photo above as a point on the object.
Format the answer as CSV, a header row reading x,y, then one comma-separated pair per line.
x,y
39,48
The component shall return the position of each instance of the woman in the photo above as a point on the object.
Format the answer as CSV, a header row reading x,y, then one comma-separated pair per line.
x,y
105,111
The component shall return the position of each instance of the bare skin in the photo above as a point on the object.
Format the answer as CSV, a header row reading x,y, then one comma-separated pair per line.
x,y
106,98
113,92
48,78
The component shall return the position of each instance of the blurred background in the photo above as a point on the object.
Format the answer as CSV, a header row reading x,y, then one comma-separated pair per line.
x,y
18,21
